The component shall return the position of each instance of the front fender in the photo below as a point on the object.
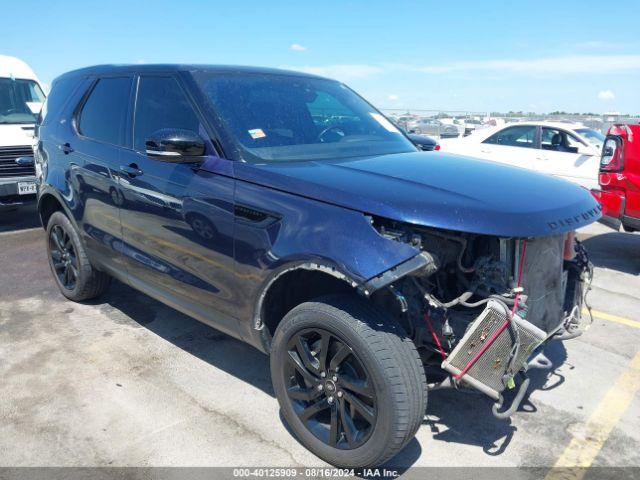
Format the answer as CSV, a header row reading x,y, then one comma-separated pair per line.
x,y
291,231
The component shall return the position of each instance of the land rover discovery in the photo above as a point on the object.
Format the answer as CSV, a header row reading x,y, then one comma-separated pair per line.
x,y
285,210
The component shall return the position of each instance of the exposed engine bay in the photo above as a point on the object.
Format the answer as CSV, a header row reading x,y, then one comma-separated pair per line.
x,y
481,307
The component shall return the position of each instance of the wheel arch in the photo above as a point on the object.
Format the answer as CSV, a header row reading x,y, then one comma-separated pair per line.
x,y
48,204
302,281
293,284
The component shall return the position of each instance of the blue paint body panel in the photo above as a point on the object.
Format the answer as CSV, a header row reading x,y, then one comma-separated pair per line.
x,y
208,238
440,191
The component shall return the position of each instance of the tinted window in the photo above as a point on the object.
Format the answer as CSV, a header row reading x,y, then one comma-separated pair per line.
x,y
522,136
162,104
103,113
289,118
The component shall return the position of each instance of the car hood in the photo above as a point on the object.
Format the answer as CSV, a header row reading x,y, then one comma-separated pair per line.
x,y
435,190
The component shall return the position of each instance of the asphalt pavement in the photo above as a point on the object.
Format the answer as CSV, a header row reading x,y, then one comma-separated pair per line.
x,y
126,381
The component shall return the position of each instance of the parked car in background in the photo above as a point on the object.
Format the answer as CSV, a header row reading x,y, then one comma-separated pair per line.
x,y
433,127
619,178
403,121
424,142
21,98
328,242
565,150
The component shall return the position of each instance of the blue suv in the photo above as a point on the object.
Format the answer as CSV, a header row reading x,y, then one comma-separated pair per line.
x,y
285,210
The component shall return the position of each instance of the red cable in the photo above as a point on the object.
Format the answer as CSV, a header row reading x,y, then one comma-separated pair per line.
x,y
434,335
505,324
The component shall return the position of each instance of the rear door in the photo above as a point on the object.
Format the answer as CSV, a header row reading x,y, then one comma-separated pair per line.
x,y
565,156
94,151
514,145
178,218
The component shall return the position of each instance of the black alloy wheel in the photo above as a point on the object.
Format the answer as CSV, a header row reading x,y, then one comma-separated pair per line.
x,y
76,278
350,383
330,389
63,257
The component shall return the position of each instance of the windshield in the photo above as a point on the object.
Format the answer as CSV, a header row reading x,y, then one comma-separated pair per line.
x,y
289,118
593,136
20,100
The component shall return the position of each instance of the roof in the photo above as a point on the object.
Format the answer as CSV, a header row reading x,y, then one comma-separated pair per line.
x,y
168,67
14,67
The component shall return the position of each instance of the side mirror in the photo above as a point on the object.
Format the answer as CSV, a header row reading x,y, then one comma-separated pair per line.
x,y
173,144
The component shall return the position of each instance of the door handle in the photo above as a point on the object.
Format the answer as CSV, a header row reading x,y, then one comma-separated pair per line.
x,y
131,170
66,148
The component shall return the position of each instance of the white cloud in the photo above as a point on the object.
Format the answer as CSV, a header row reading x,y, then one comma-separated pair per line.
x,y
593,44
545,66
298,48
606,95
575,64
342,71
393,97
141,61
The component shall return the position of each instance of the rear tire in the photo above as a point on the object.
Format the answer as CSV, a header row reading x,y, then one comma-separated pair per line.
x,y
378,390
76,278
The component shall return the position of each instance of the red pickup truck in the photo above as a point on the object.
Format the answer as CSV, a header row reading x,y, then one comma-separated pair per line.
x,y
619,178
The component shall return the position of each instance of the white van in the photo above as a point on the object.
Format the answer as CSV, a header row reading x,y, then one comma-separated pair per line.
x,y
21,98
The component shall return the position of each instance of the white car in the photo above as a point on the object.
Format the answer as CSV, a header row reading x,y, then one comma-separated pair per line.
x,y
566,150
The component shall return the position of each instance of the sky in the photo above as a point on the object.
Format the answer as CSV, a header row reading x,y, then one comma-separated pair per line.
x,y
540,56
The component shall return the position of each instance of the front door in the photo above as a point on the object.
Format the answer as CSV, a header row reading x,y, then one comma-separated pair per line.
x,y
177,218
567,157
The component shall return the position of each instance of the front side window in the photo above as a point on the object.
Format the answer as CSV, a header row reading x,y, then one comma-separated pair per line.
x,y
520,136
104,112
557,140
20,100
161,103
273,117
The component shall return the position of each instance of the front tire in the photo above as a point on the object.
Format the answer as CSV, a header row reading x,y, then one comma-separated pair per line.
x,y
75,276
349,381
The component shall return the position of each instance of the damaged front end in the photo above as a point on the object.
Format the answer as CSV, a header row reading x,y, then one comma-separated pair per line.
x,y
479,307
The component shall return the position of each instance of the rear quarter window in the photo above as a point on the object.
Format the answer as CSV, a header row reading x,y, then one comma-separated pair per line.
x,y
104,112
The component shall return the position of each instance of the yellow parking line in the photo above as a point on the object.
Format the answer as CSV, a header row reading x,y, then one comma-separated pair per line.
x,y
585,446
613,318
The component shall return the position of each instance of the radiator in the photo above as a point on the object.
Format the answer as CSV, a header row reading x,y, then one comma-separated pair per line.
x,y
488,371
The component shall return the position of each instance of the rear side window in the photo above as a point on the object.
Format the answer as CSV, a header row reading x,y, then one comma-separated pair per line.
x,y
161,104
521,136
104,112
